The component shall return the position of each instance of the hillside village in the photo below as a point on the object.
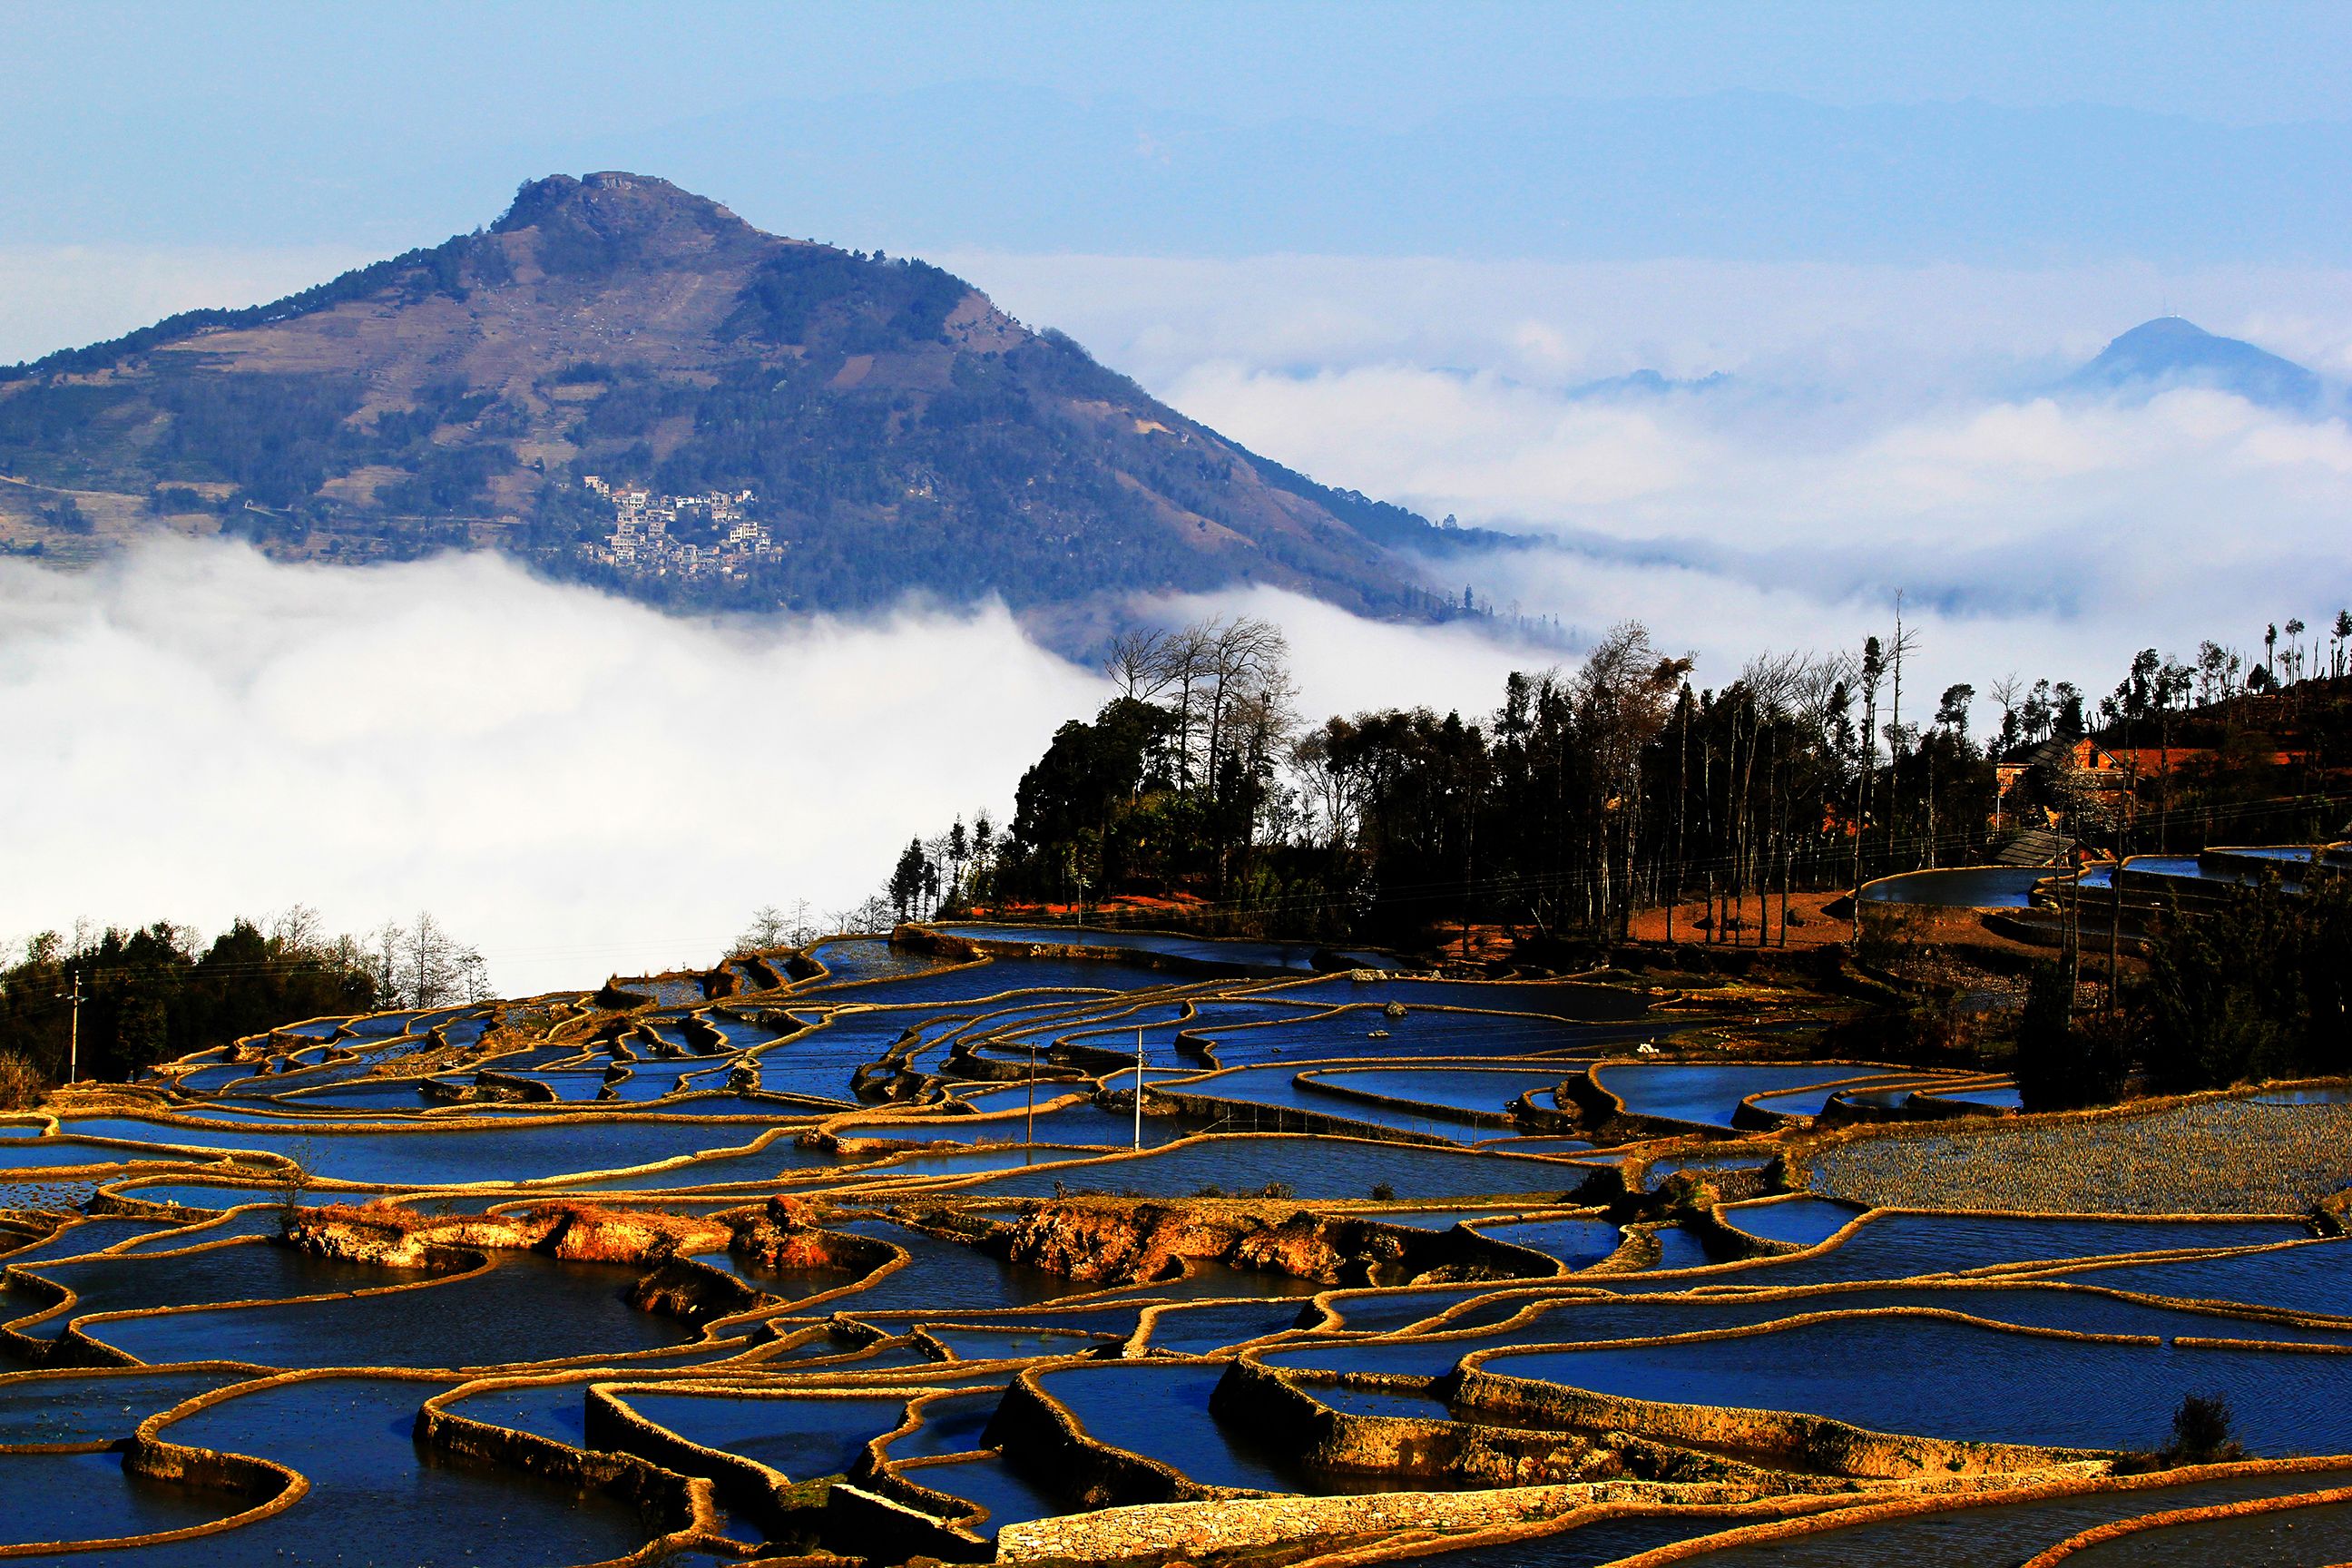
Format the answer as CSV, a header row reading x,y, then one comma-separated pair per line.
x,y
691,536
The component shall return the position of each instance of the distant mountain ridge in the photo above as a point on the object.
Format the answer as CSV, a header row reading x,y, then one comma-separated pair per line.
x,y
897,431
2172,352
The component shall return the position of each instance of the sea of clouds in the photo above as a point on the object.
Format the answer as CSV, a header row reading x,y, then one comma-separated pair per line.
x,y
577,785
1825,437
581,786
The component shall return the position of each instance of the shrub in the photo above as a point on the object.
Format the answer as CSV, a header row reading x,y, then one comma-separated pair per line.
x,y
20,1082
1383,1192
1898,1031
64,515
2066,1063
1686,1194
2201,1432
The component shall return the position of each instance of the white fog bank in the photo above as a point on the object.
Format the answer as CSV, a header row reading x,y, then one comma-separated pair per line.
x,y
574,782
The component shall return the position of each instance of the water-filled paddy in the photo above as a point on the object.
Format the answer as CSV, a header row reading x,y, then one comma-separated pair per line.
x,y
1215,1326
987,1481
1018,1342
1242,1097
1576,1001
2316,1535
558,1411
965,1162
2000,1097
1893,1246
2330,1094
1999,1535
1679,1249
950,1425
1206,1279
1234,954
1161,1412
362,1094
95,1234
1934,1377
62,1153
1521,1320
83,1497
1084,1122
853,958
54,1196
1576,1243
523,1307
265,1220
990,1099
95,1406
1443,1088
1004,978
243,1270
947,1275
432,1155
213,1079
1361,1029
671,993
802,1437
2312,1277
1968,888
370,1484
1799,1221
1701,1165
1708,1093
1310,1167
199,1195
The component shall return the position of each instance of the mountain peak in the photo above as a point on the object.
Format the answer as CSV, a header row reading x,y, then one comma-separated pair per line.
x,y
614,217
808,426
2172,350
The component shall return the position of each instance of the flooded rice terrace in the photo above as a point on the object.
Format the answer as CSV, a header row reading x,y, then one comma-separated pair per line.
x,y
869,1250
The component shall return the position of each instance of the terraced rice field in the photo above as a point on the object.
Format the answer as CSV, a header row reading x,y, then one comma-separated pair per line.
x,y
2220,1156
738,1271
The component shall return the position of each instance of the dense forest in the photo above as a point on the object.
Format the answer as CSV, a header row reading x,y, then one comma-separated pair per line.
x,y
1628,784
109,1003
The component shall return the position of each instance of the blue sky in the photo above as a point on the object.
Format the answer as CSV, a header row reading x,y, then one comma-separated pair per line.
x,y
1985,130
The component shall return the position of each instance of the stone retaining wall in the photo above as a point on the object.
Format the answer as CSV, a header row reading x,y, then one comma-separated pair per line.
x,y
1049,1441
1810,1443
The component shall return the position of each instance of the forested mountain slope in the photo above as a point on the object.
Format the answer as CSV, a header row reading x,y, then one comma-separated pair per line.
x,y
895,430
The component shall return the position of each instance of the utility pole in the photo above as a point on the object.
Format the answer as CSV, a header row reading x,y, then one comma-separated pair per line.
x,y
2074,937
1139,1086
1894,741
73,1037
2114,927
1682,792
1030,1151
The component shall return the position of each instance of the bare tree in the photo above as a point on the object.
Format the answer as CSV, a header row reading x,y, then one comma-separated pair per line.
x,y
1897,737
1140,662
1622,698
424,967
768,928
1243,665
